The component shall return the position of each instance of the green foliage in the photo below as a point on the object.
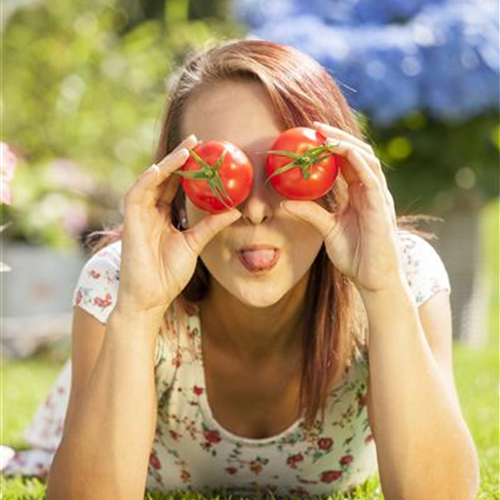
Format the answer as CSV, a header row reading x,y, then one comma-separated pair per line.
x,y
435,166
86,83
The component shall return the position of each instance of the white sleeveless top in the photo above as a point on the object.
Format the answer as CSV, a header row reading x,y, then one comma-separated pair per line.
x,y
192,451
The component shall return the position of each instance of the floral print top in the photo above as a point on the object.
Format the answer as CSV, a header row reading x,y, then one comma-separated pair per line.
x,y
192,451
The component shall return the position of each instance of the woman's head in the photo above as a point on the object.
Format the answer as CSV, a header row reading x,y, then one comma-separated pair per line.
x,y
247,92
242,113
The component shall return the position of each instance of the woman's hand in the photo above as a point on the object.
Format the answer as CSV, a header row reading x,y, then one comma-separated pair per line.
x,y
361,238
157,259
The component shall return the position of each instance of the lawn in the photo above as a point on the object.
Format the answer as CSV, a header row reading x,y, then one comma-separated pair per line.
x,y
25,384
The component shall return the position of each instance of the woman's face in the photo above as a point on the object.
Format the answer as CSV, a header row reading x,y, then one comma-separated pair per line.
x,y
242,113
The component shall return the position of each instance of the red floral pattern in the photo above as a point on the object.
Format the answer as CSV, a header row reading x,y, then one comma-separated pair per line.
x,y
191,450
331,475
325,443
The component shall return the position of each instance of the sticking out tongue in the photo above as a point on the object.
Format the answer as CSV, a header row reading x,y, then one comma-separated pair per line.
x,y
258,259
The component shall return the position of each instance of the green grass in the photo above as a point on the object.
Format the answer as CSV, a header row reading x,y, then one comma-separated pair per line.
x,y
27,382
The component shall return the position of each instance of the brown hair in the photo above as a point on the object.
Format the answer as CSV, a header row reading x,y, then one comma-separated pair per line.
x,y
302,91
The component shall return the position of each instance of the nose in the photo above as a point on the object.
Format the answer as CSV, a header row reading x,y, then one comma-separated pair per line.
x,y
261,204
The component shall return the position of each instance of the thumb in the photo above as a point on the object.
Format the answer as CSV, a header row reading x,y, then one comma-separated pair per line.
x,y
209,226
312,213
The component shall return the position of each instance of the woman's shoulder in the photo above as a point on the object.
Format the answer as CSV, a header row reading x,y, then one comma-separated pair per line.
x,y
96,289
96,292
424,268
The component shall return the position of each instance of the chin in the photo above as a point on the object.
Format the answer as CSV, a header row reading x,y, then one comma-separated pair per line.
x,y
261,300
254,293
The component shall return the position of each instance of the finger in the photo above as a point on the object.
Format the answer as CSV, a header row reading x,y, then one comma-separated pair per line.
x,y
144,190
189,142
364,149
340,193
355,169
313,213
374,164
148,188
331,131
167,189
199,235
376,167
368,155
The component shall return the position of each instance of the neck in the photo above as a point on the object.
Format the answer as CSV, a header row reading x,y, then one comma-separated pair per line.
x,y
254,335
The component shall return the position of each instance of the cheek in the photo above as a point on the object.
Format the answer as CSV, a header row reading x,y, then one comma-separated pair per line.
x,y
304,243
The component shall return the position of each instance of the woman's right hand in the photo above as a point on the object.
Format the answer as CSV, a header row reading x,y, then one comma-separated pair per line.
x,y
157,259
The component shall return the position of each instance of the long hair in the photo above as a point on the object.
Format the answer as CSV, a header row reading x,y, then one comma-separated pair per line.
x,y
301,91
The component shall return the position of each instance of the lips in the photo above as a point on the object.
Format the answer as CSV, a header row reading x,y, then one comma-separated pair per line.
x,y
259,257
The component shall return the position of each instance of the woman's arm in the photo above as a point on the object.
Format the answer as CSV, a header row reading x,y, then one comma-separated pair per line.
x,y
424,447
104,453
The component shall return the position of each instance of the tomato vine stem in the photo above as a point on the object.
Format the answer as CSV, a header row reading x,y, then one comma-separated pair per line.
x,y
304,160
210,174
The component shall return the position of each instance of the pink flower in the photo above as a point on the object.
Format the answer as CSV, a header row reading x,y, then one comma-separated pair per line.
x,y
293,459
103,302
174,435
325,443
330,475
368,438
185,476
153,460
362,399
212,436
346,460
66,174
75,220
8,164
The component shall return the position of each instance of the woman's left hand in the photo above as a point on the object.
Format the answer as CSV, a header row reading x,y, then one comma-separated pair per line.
x,y
361,238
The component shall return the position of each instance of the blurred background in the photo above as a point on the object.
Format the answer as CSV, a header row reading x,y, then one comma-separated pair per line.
x,y
83,94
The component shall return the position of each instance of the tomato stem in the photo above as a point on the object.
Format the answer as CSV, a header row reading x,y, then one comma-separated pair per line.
x,y
304,161
209,174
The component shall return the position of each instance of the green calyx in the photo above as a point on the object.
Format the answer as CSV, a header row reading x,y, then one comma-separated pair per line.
x,y
303,160
210,174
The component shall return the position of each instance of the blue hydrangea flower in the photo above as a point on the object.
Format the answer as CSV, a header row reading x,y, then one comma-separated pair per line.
x,y
393,56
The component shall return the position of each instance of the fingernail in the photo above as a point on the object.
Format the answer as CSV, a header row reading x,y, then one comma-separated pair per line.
x,y
189,139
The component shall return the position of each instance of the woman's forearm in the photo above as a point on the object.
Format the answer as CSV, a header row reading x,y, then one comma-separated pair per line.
x,y
424,447
104,453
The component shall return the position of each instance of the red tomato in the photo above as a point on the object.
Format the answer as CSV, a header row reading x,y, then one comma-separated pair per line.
x,y
300,166
217,176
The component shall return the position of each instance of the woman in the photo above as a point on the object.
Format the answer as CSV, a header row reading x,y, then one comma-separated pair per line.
x,y
262,381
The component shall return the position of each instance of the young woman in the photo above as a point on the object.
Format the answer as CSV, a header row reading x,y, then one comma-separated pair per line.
x,y
191,371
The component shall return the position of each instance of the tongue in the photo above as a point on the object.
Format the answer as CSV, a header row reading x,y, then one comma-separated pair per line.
x,y
258,258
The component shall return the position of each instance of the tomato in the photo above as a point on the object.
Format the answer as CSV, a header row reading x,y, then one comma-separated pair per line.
x,y
217,176
300,166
